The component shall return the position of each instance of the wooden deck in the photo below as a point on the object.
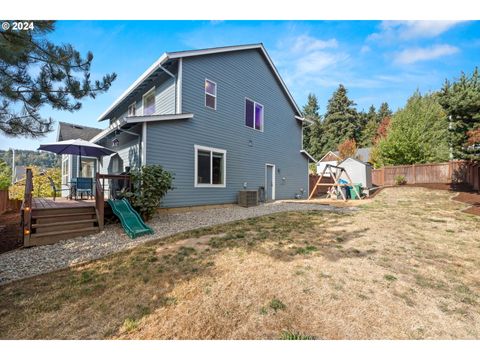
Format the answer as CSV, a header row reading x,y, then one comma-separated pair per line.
x,y
48,203
52,221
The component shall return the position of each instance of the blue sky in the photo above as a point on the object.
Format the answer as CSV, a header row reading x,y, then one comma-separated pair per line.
x,y
376,60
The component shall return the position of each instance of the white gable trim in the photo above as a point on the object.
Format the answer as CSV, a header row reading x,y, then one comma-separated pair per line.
x,y
183,54
330,152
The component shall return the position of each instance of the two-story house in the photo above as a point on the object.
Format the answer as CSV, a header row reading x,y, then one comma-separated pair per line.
x,y
220,119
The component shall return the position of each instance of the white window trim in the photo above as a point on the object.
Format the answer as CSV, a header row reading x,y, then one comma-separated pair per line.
x,y
134,105
154,101
273,180
211,150
245,114
215,96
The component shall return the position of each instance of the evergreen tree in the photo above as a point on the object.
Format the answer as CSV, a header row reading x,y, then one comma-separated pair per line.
x,y
310,112
416,134
461,101
383,112
370,128
34,72
341,120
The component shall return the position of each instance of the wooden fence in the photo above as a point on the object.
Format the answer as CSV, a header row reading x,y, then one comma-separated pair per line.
x,y
440,173
7,204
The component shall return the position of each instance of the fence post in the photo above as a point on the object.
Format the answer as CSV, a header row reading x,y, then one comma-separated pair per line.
x,y
383,176
414,174
449,176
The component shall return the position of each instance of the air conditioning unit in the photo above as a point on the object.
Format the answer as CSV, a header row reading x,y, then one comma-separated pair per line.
x,y
247,198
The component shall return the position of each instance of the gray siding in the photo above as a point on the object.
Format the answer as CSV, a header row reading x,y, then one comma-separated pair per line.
x,y
164,98
128,153
238,75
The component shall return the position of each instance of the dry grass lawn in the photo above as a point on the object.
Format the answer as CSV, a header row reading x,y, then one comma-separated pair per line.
x,y
407,266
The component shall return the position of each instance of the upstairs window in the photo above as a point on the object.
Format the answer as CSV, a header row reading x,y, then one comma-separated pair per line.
x,y
149,102
210,94
253,115
132,109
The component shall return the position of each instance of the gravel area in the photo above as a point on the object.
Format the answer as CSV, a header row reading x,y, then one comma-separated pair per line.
x,y
27,262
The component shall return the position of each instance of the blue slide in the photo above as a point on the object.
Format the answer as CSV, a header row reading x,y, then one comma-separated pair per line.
x,y
131,221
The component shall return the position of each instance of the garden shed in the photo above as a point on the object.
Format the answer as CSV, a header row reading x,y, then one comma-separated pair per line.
x,y
360,172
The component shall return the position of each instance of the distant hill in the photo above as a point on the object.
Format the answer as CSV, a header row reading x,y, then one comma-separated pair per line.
x,y
31,158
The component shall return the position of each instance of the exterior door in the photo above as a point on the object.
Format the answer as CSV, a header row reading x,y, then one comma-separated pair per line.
x,y
269,182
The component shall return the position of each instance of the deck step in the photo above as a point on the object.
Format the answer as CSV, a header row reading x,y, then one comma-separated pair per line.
x,y
86,211
60,223
36,213
65,232
53,237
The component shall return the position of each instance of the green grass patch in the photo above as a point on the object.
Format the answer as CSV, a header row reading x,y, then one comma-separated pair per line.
x,y
294,335
276,305
389,277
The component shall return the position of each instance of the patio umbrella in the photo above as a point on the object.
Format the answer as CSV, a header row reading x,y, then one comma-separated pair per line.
x,y
77,147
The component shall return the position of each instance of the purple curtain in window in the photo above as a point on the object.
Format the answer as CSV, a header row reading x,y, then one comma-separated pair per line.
x,y
258,116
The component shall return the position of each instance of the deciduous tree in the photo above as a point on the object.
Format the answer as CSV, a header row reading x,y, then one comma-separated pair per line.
x,y
416,134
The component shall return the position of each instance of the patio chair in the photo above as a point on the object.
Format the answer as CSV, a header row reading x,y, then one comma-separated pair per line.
x,y
84,186
54,188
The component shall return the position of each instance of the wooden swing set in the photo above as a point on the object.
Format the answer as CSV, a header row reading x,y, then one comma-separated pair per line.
x,y
336,173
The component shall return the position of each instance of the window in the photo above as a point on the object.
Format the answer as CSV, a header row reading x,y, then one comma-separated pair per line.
x,y
253,115
209,167
88,167
65,169
149,102
132,109
210,94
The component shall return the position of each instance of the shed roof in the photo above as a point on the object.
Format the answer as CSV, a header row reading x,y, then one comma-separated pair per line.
x,y
362,154
354,159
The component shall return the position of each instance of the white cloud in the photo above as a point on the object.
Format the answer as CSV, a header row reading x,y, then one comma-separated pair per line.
x,y
304,55
365,49
412,29
413,55
306,44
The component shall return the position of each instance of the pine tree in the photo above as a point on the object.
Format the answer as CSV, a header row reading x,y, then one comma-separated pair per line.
x,y
370,128
310,112
34,72
341,120
461,101
383,112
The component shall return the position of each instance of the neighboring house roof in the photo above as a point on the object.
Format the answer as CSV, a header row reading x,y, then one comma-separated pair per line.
x,y
362,154
67,131
330,156
189,53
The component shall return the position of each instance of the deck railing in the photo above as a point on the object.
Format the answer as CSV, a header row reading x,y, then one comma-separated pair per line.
x,y
27,207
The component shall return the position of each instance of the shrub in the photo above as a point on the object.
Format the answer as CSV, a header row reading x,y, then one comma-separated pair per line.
x,y
150,183
400,180
41,184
